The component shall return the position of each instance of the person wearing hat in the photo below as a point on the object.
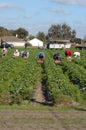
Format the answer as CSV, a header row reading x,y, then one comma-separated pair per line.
x,y
40,57
77,54
16,54
4,52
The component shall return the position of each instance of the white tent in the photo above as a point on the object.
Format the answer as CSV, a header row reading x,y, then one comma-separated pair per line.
x,y
36,42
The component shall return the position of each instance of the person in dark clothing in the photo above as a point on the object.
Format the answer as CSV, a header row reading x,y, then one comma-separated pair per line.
x,y
57,58
25,45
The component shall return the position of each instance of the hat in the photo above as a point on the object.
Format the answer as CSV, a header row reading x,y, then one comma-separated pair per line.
x,y
16,50
3,48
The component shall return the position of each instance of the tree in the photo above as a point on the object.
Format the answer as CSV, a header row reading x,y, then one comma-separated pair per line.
x,y
54,31
76,40
31,37
73,34
61,32
11,32
3,31
84,39
41,36
21,32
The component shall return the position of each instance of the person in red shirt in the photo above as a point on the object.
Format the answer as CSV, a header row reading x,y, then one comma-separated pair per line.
x,y
68,54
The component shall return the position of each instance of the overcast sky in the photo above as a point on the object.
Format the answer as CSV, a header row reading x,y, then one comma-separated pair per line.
x,y
40,15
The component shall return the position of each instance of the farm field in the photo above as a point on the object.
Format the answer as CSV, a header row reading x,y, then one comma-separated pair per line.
x,y
20,78
34,96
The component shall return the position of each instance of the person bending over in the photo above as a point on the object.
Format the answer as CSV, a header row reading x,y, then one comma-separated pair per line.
x,y
68,54
57,58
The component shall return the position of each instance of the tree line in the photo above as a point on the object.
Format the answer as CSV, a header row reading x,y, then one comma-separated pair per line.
x,y
55,32
21,32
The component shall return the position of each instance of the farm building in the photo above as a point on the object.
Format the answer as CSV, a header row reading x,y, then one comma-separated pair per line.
x,y
59,44
13,40
36,42
81,47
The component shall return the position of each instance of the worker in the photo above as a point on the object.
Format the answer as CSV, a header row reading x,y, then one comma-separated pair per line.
x,y
57,58
68,54
16,54
77,54
25,54
4,52
40,57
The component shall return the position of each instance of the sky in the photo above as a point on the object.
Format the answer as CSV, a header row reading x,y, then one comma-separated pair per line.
x,y
39,15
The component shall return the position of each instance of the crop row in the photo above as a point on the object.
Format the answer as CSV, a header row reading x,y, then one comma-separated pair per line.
x,y
58,85
20,79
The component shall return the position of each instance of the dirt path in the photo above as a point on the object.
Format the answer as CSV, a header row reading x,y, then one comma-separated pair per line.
x,y
39,95
39,98
42,119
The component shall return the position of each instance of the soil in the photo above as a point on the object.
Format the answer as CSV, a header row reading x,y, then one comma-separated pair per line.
x,y
43,119
39,98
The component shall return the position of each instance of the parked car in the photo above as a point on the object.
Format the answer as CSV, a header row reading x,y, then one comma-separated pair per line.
x,y
6,45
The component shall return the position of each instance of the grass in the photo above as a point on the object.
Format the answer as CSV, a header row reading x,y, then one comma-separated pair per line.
x,y
73,122
42,107
42,117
